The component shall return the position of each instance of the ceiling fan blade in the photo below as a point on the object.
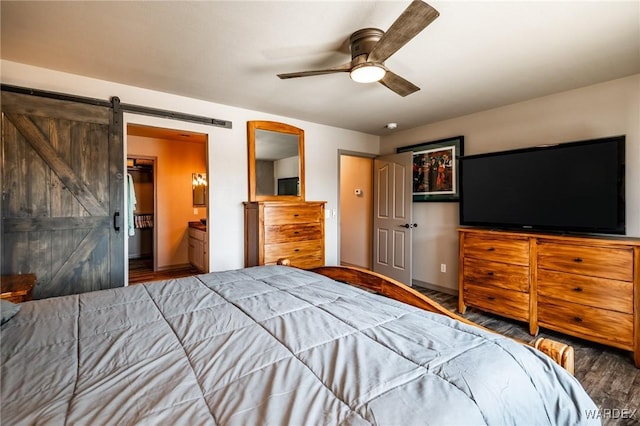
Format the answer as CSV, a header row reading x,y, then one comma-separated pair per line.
x,y
342,68
414,19
398,84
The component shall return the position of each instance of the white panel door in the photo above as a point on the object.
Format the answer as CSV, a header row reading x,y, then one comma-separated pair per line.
x,y
392,221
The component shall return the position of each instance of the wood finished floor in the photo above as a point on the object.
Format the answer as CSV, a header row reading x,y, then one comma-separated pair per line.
x,y
607,374
141,270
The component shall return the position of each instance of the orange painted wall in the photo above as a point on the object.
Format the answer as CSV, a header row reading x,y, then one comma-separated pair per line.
x,y
175,163
356,211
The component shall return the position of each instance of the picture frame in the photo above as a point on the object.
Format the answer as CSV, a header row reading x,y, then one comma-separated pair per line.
x,y
436,169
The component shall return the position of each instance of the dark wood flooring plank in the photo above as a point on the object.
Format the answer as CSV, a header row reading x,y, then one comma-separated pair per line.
x,y
607,374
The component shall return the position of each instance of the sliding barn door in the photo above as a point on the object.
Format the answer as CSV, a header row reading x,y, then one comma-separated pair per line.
x,y
62,194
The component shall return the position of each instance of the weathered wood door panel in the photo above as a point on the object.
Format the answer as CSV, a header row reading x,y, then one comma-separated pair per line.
x,y
62,171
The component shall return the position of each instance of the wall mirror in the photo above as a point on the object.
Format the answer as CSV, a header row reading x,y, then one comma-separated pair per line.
x,y
199,185
276,161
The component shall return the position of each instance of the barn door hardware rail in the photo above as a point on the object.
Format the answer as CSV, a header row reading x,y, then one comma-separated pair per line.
x,y
137,109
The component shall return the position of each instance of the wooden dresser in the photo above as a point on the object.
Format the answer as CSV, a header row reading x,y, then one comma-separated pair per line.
x,y
281,229
587,287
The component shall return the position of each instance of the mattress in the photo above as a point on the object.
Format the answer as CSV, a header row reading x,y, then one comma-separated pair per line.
x,y
269,345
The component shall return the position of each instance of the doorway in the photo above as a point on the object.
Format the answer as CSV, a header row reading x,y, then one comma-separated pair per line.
x,y
163,163
141,211
356,209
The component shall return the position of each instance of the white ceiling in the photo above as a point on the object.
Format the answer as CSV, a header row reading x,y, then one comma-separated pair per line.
x,y
477,55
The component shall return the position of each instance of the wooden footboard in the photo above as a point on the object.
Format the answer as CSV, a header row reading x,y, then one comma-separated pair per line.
x,y
561,353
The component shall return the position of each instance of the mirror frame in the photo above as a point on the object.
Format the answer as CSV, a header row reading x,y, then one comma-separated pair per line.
x,y
202,187
273,126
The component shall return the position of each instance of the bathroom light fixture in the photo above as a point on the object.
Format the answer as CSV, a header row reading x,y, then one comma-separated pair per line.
x,y
367,72
199,179
391,126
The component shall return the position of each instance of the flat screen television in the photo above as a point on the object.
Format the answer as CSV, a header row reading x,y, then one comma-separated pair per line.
x,y
575,187
288,186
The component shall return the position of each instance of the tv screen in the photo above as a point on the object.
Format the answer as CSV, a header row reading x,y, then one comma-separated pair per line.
x,y
288,186
571,187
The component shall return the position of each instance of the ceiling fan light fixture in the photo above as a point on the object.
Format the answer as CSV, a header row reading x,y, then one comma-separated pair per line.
x,y
367,73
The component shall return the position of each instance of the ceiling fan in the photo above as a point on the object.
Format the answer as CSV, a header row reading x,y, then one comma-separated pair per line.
x,y
370,47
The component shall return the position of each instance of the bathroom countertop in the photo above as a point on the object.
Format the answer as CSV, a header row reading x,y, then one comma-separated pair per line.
x,y
198,225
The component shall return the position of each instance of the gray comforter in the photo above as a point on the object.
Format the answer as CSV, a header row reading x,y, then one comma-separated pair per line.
x,y
268,345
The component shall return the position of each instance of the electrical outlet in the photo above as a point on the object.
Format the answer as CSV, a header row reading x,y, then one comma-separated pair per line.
x,y
443,267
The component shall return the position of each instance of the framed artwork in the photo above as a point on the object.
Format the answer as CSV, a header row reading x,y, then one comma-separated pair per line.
x,y
435,169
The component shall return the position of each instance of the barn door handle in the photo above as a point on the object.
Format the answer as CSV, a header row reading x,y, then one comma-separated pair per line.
x,y
116,227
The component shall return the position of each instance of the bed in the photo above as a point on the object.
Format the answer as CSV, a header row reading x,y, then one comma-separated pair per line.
x,y
271,345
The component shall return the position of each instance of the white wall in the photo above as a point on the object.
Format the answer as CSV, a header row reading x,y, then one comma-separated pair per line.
x,y
227,152
606,109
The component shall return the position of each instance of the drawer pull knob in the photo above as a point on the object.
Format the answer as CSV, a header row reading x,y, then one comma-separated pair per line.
x,y
491,298
578,289
577,259
296,232
490,273
491,249
578,319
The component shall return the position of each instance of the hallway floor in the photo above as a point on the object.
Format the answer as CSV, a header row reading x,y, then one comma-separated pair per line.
x,y
141,270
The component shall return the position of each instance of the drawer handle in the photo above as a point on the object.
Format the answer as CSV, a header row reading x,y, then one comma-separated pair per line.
x,y
491,298
577,319
490,273
296,232
578,289
296,250
577,259
296,215
491,249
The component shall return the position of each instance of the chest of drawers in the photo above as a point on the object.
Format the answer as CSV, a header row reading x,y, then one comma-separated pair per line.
x,y
292,230
586,291
496,275
582,286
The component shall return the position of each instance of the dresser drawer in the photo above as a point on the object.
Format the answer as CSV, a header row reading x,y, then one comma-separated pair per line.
x,y
283,215
613,263
515,251
584,290
513,277
306,261
509,303
292,232
601,325
291,250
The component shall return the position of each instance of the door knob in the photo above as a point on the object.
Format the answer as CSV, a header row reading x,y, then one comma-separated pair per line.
x,y
409,225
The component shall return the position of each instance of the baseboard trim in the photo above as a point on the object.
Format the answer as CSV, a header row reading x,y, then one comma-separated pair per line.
x,y
342,263
435,287
174,267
